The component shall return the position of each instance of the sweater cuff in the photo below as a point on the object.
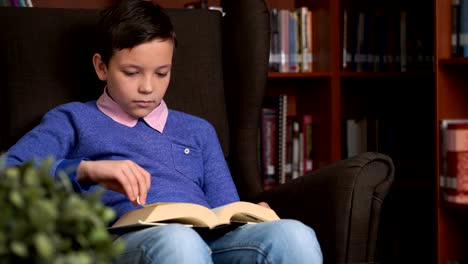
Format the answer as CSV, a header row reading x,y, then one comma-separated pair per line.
x,y
70,168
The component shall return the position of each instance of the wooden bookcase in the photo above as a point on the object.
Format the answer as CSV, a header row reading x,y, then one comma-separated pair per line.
x,y
416,226
403,103
451,94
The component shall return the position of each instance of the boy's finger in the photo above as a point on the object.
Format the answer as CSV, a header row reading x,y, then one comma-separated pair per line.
x,y
130,185
141,182
147,177
143,190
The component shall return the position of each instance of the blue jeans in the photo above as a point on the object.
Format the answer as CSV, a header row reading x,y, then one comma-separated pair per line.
x,y
282,241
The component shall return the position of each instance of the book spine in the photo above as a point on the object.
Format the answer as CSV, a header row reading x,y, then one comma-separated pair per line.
x,y
345,41
284,40
464,27
454,168
308,149
360,56
296,152
403,52
310,56
5,3
282,114
269,147
275,42
293,42
289,148
455,42
303,39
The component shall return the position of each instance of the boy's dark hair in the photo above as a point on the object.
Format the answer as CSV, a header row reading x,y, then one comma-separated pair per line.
x,y
130,23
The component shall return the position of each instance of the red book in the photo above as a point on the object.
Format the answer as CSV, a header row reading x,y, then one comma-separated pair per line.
x,y
269,147
454,177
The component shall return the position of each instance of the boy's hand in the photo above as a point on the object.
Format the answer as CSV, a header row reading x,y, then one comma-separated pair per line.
x,y
264,204
124,176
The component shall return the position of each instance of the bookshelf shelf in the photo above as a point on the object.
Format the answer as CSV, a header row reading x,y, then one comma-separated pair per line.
x,y
460,61
462,208
383,75
281,75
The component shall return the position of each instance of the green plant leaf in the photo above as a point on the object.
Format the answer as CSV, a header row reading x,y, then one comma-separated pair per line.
x,y
19,249
44,246
16,198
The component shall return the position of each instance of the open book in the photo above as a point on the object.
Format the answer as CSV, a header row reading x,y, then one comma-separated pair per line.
x,y
196,215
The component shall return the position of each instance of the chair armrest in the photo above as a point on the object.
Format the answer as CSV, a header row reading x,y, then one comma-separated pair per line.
x,y
341,202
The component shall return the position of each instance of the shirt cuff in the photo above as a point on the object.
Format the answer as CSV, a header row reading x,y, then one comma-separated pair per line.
x,y
69,167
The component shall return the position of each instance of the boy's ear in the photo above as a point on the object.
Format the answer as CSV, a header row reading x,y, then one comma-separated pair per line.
x,y
100,67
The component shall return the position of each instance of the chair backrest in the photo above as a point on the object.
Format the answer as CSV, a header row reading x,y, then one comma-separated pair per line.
x,y
219,72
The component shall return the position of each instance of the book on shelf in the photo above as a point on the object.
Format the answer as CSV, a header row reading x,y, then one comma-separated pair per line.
x,y
282,138
356,136
363,134
286,149
463,35
269,147
294,41
274,60
291,43
296,150
385,40
283,29
195,215
306,38
307,152
455,34
25,3
453,177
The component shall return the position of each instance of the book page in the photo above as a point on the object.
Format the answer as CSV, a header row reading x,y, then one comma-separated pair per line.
x,y
244,212
185,213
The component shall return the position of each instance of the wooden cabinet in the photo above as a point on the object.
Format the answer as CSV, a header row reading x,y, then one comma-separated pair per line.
x,y
452,95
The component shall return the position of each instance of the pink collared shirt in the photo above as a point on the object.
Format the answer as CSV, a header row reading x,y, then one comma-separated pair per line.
x,y
156,119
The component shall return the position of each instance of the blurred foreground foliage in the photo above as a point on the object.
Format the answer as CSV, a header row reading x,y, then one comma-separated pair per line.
x,y
43,220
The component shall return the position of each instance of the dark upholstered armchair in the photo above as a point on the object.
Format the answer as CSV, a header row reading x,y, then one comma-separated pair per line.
x,y
219,73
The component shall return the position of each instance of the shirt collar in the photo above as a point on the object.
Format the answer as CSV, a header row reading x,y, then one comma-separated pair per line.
x,y
156,119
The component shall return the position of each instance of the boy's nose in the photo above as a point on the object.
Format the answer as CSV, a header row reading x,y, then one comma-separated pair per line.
x,y
145,86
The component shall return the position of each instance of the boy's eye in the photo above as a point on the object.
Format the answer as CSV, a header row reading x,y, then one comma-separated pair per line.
x,y
130,73
161,74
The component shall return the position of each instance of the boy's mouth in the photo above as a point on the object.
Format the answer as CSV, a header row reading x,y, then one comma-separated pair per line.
x,y
144,104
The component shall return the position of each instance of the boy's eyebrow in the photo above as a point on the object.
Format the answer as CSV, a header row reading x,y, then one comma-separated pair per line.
x,y
139,67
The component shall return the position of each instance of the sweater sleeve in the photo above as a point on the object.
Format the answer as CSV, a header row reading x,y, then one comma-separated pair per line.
x,y
54,137
219,187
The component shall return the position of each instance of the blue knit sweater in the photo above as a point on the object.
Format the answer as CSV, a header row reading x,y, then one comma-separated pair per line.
x,y
186,160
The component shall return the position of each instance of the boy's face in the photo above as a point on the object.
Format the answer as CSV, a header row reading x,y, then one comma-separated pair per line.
x,y
137,78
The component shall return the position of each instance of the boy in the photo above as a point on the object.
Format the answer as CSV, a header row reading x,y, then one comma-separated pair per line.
x,y
131,144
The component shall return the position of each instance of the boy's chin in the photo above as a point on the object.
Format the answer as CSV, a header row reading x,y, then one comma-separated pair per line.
x,y
140,114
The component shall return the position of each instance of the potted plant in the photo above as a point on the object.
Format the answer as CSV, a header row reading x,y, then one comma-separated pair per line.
x,y
43,220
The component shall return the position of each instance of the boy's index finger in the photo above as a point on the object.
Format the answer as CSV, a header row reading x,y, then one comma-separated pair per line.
x,y
139,203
